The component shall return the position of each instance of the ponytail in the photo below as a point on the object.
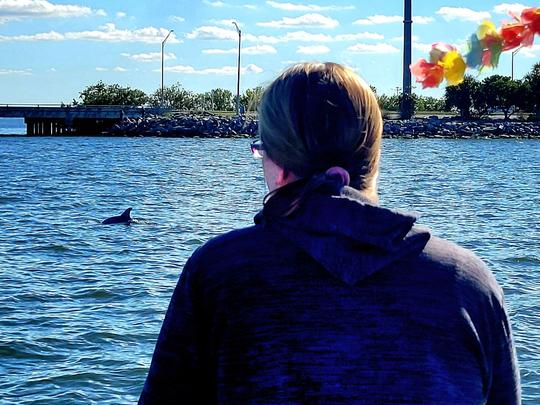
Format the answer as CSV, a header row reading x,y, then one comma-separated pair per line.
x,y
331,182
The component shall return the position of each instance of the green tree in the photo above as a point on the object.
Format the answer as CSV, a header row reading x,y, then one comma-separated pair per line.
x,y
388,103
174,96
461,96
407,105
222,100
480,102
501,93
203,101
112,94
428,103
531,90
252,98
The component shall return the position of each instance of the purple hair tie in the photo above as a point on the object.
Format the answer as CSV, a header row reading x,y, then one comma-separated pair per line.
x,y
341,172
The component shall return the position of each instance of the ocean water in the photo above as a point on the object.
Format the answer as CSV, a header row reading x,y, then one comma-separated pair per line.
x,y
12,126
81,304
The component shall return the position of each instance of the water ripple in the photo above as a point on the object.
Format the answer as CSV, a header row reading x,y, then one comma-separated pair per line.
x,y
81,304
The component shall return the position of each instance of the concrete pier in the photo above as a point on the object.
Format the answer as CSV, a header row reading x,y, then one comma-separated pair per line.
x,y
61,120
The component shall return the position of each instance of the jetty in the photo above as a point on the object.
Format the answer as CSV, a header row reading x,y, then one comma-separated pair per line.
x,y
66,120
190,125
60,119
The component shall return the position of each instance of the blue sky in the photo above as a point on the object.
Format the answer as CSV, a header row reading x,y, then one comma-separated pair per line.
x,y
51,49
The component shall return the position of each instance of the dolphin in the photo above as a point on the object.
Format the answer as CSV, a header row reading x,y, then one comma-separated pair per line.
x,y
125,218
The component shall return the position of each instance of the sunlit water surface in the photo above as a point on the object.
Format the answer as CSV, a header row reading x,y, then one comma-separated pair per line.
x,y
81,303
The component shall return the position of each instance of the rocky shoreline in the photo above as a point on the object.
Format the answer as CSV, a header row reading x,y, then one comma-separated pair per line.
x,y
214,126
180,125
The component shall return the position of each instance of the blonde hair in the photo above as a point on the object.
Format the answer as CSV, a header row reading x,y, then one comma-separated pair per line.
x,y
318,115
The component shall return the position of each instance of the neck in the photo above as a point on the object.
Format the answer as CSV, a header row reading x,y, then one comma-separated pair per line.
x,y
370,195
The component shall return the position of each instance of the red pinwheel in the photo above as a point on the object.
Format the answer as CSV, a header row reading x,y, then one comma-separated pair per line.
x,y
429,74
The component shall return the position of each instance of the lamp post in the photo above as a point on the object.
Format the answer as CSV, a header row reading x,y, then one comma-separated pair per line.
x,y
163,63
238,77
514,54
407,51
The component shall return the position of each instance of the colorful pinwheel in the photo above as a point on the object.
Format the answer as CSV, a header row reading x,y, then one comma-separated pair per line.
x,y
445,62
485,48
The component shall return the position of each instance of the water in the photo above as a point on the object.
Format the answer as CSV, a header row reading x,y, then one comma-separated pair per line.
x,y
81,304
12,126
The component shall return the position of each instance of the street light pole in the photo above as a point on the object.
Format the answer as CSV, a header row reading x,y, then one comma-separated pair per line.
x,y
407,56
238,77
514,54
163,63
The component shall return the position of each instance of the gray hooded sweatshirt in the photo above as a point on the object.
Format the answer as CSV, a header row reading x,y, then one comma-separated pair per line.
x,y
342,302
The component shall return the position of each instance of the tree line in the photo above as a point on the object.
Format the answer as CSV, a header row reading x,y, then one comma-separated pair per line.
x,y
471,99
174,96
475,99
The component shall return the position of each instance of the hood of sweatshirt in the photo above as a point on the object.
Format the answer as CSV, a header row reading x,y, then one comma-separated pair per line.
x,y
350,237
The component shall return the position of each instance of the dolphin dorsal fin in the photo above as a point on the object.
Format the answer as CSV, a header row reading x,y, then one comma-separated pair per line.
x,y
126,213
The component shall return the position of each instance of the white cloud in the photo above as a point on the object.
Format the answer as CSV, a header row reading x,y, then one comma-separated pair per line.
x,y
303,36
218,33
507,8
418,19
121,14
150,56
214,3
212,32
119,69
101,13
416,44
373,48
389,19
462,14
400,38
52,69
219,3
530,52
306,7
420,46
225,70
227,22
312,49
263,39
214,51
110,33
43,36
357,36
107,33
102,69
249,50
13,10
23,72
312,20
379,19
176,19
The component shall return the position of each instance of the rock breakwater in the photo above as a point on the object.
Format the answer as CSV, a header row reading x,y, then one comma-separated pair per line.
x,y
187,126
434,127
213,126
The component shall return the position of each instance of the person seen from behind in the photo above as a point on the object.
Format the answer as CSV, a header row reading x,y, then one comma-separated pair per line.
x,y
330,298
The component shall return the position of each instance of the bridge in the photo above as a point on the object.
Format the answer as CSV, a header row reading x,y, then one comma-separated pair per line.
x,y
60,119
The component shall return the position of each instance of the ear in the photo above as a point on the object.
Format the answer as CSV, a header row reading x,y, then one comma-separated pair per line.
x,y
284,176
